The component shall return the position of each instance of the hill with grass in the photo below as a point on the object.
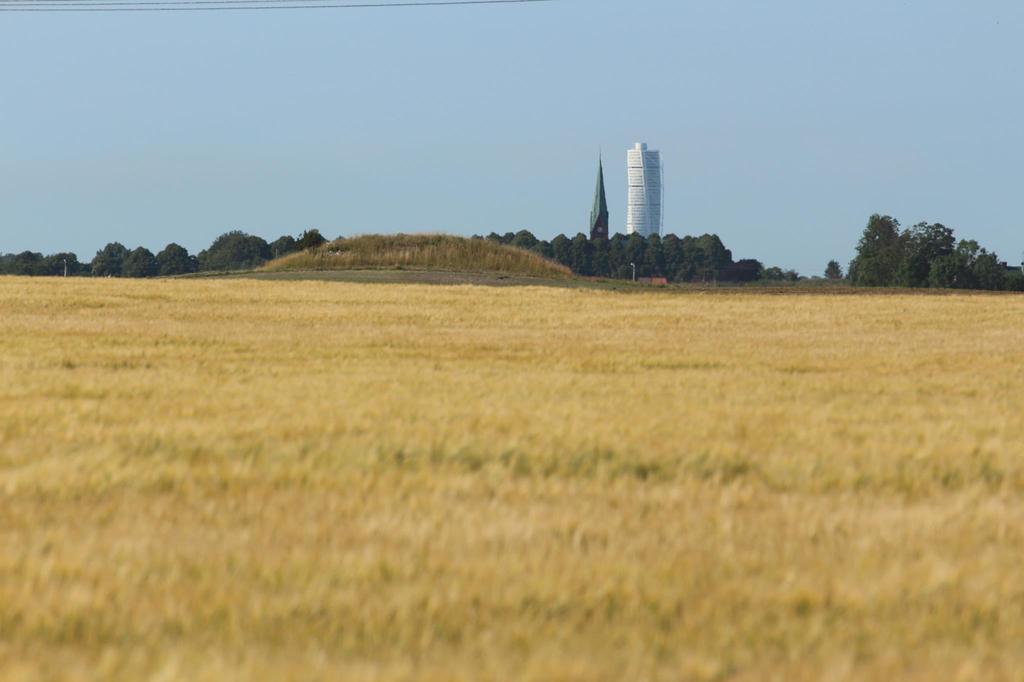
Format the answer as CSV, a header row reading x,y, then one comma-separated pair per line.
x,y
420,252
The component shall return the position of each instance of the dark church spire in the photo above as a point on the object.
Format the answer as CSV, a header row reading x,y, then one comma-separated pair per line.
x,y
599,214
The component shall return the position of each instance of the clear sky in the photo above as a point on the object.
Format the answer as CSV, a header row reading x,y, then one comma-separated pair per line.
x,y
784,124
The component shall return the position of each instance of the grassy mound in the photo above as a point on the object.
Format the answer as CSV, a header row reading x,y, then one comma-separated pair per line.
x,y
421,252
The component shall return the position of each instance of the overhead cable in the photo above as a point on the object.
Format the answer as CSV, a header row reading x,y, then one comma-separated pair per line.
x,y
237,5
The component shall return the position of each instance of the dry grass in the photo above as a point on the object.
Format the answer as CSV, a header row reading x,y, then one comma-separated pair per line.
x,y
235,480
429,252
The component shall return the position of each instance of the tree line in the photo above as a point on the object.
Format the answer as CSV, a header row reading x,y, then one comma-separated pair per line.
x,y
677,259
233,250
927,255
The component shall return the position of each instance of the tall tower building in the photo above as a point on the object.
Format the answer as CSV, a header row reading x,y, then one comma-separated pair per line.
x,y
599,213
646,192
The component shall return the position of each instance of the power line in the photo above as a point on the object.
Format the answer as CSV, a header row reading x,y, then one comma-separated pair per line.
x,y
105,3
346,3
236,5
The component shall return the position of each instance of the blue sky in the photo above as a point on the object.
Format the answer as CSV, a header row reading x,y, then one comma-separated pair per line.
x,y
783,124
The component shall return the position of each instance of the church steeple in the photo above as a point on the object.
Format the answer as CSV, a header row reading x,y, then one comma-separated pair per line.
x,y
599,213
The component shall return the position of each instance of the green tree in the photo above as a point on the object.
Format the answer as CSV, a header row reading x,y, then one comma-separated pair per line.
x,y
618,265
715,254
989,272
28,263
581,255
234,250
923,244
956,270
654,257
948,272
600,263
282,246
834,270
310,239
692,260
672,254
109,260
175,260
560,250
879,253
140,262
56,263
524,239
746,270
544,249
636,247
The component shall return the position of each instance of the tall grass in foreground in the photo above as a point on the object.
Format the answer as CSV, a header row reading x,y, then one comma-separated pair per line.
x,y
212,480
435,252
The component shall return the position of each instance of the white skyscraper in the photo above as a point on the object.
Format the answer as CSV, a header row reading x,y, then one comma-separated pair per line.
x,y
646,193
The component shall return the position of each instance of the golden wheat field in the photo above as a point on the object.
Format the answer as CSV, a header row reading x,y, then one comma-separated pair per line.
x,y
249,480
